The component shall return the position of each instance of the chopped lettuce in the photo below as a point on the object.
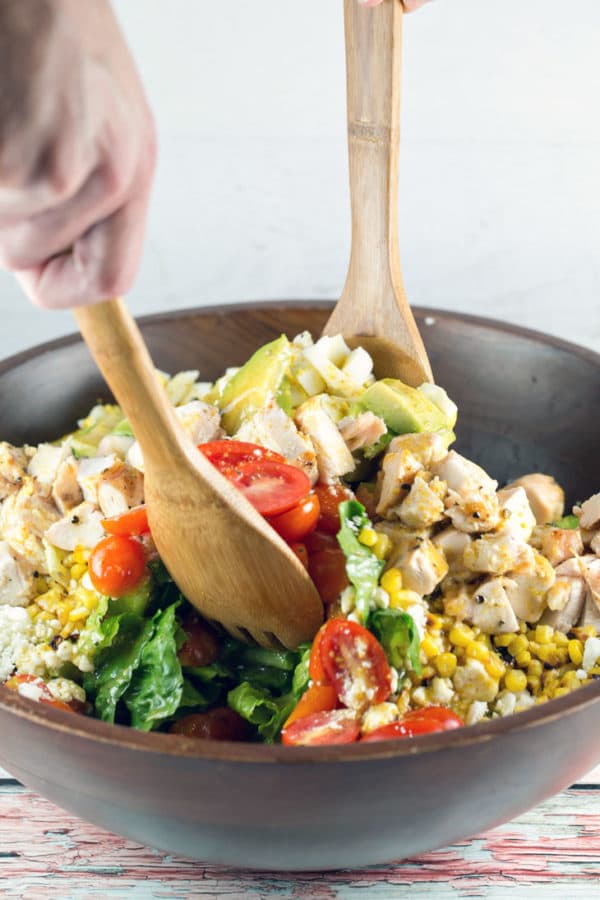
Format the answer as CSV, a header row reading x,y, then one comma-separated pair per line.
x,y
398,635
362,566
567,522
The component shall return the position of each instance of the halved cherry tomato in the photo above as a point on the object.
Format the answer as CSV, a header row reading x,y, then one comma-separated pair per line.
x,y
220,724
327,568
45,695
318,698
201,647
355,663
315,666
335,726
301,552
320,540
133,522
330,496
298,521
271,487
417,721
226,455
116,565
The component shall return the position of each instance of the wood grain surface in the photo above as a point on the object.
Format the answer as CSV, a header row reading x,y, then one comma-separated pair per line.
x,y
549,853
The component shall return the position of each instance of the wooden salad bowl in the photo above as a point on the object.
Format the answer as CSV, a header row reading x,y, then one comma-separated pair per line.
x,y
527,402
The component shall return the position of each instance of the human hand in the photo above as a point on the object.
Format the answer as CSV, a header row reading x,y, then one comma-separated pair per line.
x,y
409,5
77,151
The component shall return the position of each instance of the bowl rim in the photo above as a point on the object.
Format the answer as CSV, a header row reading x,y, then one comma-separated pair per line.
x,y
125,737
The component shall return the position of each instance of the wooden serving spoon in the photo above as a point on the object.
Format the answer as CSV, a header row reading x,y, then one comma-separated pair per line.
x,y
224,557
373,310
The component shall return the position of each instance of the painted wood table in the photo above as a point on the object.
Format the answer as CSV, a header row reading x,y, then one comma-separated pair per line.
x,y
549,853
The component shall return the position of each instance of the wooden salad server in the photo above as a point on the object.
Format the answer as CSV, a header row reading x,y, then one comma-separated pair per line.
x,y
373,310
224,557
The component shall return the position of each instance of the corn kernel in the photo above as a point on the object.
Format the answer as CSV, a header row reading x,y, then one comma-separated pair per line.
x,y
575,649
553,655
403,599
561,691
368,536
586,631
475,650
382,546
391,581
445,664
494,666
429,647
560,639
461,635
503,640
535,667
570,680
434,621
523,627
544,634
523,659
515,681
517,645
427,672
534,683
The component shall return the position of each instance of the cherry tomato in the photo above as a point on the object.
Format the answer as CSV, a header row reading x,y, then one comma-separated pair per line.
x,y
320,540
301,552
330,496
44,693
220,724
417,721
315,666
355,663
116,565
298,521
201,647
327,568
133,522
335,726
271,487
318,698
227,455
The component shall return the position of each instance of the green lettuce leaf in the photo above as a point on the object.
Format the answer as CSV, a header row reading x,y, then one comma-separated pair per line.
x,y
567,522
156,686
398,635
362,566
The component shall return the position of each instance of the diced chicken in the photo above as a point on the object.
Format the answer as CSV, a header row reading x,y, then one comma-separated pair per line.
x,y
575,567
46,461
66,490
134,457
424,505
530,583
453,544
473,513
595,543
486,606
403,539
463,476
564,616
271,427
560,544
82,527
407,455
496,553
202,421
592,579
546,497
493,612
472,682
590,614
24,518
115,445
89,472
422,567
362,430
13,465
516,514
590,513
17,586
333,457
120,488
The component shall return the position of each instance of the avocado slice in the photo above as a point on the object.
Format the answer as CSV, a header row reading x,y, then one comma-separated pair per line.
x,y
403,409
259,378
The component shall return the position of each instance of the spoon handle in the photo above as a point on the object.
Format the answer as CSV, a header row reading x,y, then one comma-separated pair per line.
x,y
118,348
373,301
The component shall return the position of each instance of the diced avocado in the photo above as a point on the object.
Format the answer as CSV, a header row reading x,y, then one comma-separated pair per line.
x,y
135,601
250,388
403,409
123,429
284,396
567,523
81,448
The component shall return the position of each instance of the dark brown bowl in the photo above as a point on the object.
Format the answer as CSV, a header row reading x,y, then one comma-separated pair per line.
x,y
526,402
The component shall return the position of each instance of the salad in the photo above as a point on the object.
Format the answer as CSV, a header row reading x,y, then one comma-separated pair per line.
x,y
447,599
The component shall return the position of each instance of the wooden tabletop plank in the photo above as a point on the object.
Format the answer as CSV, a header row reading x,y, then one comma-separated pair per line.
x,y
551,852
